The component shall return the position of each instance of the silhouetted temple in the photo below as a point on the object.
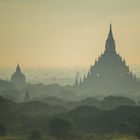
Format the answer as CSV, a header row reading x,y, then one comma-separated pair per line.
x,y
27,97
18,78
110,71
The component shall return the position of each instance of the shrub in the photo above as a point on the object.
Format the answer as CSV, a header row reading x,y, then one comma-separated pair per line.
x,y
2,130
61,127
35,134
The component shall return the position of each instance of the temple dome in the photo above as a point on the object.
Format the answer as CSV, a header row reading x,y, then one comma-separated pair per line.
x,y
18,78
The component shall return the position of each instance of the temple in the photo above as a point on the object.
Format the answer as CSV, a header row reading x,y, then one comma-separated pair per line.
x,y
27,97
18,78
109,72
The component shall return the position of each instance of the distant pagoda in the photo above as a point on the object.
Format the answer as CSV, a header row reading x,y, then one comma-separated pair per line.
x,y
110,71
27,97
18,78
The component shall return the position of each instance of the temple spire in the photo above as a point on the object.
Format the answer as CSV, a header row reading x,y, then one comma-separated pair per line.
x,y
18,68
27,97
110,35
110,43
77,76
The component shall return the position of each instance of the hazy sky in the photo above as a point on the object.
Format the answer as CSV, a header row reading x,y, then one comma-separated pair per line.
x,y
66,32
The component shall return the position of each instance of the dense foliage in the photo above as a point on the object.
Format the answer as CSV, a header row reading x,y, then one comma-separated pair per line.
x,y
40,120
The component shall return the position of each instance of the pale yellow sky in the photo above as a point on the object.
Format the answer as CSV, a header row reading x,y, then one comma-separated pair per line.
x,y
66,32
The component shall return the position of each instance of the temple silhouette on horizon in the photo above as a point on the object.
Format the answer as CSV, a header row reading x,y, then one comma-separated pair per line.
x,y
110,75
109,72
18,78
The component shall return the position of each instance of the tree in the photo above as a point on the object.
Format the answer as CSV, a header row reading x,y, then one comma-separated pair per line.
x,y
123,127
2,130
35,134
60,127
137,133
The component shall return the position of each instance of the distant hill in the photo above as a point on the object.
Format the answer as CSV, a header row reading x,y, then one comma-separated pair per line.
x,y
52,100
84,111
108,103
38,107
112,102
6,105
88,119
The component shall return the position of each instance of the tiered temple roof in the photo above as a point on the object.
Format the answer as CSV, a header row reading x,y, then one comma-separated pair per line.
x,y
110,70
